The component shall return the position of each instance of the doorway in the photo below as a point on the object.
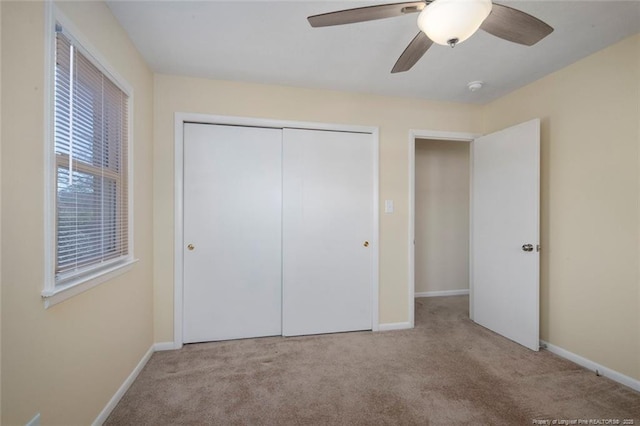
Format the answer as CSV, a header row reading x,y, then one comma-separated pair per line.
x,y
448,153
442,194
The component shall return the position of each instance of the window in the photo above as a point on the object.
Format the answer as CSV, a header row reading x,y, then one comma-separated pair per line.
x,y
90,142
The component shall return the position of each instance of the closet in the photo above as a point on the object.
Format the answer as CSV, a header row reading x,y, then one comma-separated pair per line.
x,y
278,231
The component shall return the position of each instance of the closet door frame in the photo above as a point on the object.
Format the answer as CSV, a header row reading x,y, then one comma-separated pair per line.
x,y
180,119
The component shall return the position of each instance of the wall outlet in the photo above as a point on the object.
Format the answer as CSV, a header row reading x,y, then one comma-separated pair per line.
x,y
388,206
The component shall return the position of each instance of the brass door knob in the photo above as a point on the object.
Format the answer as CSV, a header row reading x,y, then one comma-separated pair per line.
x,y
191,247
366,244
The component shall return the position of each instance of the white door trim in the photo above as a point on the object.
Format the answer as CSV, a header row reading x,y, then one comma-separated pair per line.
x,y
179,119
435,135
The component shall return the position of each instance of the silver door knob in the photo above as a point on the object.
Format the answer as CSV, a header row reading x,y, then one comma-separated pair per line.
x,y
527,247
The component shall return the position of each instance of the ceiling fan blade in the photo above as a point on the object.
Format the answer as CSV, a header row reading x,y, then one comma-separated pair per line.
x,y
414,51
516,26
368,13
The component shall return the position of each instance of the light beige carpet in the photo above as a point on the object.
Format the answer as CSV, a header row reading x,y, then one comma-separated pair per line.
x,y
446,371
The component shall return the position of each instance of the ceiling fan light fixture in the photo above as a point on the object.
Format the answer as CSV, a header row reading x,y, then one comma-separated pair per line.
x,y
449,22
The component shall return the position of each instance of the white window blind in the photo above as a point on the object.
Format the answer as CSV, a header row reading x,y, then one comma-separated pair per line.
x,y
91,146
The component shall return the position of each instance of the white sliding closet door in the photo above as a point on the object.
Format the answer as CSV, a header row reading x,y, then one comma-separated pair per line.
x,y
232,232
327,231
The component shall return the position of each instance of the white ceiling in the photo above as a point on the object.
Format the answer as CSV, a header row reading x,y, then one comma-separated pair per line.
x,y
271,42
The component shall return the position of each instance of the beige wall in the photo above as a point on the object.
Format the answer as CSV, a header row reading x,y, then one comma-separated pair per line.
x,y
589,202
66,362
590,230
442,215
394,116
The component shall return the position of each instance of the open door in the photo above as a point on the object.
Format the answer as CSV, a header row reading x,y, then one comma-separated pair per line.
x,y
505,259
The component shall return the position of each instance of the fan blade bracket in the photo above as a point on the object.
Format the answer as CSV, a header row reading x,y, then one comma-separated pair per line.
x,y
412,9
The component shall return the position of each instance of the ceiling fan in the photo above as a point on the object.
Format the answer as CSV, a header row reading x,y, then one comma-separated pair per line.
x,y
446,22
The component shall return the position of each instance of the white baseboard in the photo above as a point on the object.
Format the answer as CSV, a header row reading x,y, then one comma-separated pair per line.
x,y
441,293
394,326
102,417
594,366
165,346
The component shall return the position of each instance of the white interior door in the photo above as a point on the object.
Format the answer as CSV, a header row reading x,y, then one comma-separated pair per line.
x,y
505,232
232,232
327,231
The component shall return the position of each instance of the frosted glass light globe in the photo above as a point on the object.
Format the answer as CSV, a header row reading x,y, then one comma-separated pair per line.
x,y
449,22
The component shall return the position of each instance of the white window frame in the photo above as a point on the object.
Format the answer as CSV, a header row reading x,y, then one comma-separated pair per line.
x,y
52,293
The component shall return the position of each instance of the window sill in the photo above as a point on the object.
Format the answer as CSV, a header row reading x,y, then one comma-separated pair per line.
x,y
73,288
